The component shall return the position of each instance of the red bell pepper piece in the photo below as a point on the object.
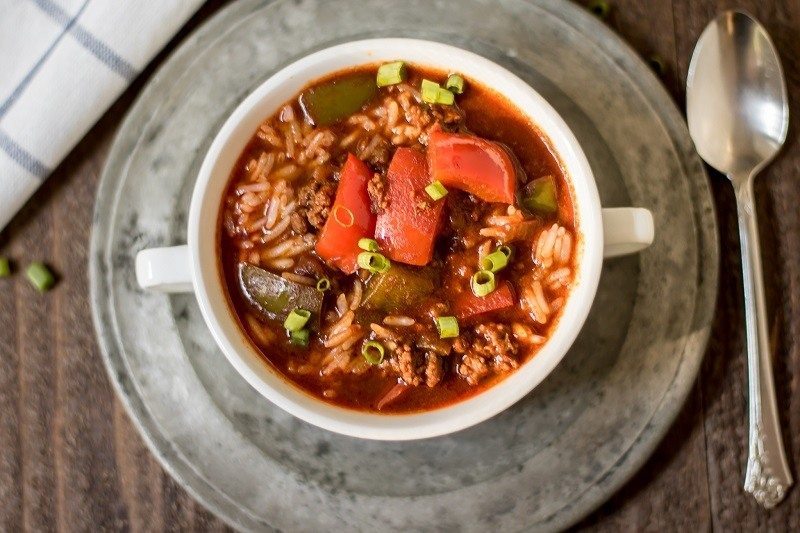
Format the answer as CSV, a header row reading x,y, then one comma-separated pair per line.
x,y
407,229
350,218
392,394
480,167
468,306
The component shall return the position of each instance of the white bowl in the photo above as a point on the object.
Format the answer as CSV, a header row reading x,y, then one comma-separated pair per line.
x,y
165,269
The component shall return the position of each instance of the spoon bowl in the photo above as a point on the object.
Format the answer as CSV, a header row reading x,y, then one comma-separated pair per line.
x,y
736,100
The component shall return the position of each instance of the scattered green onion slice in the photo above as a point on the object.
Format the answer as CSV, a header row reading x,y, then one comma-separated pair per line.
x,y
436,190
433,94
40,276
323,284
430,91
601,8
373,261
506,251
300,337
454,83
495,261
373,352
370,245
447,326
482,282
445,97
5,267
296,320
391,73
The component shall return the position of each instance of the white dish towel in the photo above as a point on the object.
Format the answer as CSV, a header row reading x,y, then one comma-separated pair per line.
x,y
62,64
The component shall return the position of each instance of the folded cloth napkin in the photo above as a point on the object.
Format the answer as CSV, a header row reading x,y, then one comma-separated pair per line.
x,y
62,64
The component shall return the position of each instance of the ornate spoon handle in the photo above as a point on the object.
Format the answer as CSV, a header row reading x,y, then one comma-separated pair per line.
x,y
768,476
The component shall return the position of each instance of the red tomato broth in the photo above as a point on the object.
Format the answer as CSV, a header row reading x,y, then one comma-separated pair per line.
x,y
487,114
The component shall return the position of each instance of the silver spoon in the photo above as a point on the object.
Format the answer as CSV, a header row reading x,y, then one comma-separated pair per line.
x,y
738,115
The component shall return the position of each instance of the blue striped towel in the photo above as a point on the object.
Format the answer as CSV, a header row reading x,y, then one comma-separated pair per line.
x,y
62,64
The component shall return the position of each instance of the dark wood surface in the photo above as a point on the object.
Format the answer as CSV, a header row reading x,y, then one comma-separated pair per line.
x,y
70,458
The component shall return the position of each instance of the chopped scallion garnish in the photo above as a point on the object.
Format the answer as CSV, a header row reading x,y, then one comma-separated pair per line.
x,y
506,251
454,83
436,190
373,261
445,97
300,337
323,284
40,276
391,73
433,94
447,326
296,320
370,245
373,352
5,267
495,261
482,282
430,91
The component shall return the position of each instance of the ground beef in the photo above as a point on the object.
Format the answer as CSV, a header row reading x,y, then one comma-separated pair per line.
x,y
489,348
380,155
473,367
434,370
451,116
417,368
417,115
376,189
407,365
299,224
494,340
315,200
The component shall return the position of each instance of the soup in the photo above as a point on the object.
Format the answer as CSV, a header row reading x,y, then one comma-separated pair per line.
x,y
396,239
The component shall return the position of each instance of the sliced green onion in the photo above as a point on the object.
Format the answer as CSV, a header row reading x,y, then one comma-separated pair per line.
x,y
5,267
370,245
391,73
445,97
373,352
373,261
436,190
506,251
447,326
40,276
600,8
433,94
482,282
297,319
323,284
430,91
495,261
300,337
454,83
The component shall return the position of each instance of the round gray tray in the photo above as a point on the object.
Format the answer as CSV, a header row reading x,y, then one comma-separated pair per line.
x,y
541,465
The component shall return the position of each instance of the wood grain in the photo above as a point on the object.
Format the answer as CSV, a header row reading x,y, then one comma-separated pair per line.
x,y
71,460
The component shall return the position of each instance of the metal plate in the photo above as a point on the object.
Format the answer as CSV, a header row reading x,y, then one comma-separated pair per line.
x,y
541,465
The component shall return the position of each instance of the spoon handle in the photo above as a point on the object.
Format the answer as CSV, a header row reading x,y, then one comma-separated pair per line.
x,y
768,476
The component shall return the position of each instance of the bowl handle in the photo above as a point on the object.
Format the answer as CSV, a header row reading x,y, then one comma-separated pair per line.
x,y
626,230
165,269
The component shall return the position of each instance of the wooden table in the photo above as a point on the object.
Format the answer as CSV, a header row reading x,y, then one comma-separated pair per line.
x,y
70,457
